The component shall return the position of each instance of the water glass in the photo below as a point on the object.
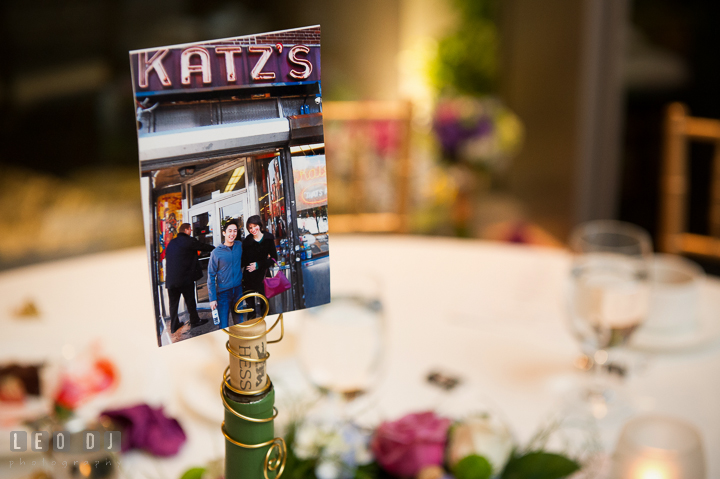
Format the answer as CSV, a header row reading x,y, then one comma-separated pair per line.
x,y
609,288
608,298
340,344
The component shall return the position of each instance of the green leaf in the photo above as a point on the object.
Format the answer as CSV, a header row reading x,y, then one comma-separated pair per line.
x,y
472,467
367,471
193,473
539,465
467,58
62,413
299,468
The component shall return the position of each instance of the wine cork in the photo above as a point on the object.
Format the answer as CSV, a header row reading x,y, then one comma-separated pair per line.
x,y
248,376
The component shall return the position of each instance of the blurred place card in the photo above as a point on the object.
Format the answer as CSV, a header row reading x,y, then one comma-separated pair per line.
x,y
233,177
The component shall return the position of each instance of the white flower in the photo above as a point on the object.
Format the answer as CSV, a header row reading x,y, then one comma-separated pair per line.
x,y
335,446
308,440
339,447
481,435
328,469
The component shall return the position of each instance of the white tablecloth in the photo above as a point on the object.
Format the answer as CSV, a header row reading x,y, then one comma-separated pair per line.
x,y
491,313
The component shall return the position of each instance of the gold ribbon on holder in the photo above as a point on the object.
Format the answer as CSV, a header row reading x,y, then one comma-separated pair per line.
x,y
269,464
252,322
277,445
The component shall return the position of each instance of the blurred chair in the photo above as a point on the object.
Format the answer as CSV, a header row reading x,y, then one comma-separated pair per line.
x,y
369,169
680,130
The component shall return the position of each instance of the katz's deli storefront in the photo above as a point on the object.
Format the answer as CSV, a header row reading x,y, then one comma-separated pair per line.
x,y
225,65
229,129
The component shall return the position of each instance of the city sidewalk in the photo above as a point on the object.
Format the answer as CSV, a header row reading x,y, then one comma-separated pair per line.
x,y
185,331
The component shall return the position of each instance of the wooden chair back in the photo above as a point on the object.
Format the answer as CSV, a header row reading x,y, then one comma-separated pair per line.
x,y
350,211
680,130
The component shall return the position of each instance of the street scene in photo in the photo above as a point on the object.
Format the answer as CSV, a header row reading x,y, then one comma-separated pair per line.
x,y
233,178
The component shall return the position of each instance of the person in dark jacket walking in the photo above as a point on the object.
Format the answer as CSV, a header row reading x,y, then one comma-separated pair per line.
x,y
182,270
258,255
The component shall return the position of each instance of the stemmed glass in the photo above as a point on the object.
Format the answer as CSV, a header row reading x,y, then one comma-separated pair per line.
x,y
609,297
340,344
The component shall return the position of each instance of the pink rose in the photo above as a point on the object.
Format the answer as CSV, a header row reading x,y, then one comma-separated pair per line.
x,y
405,446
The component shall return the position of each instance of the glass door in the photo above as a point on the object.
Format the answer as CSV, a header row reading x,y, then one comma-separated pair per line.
x,y
234,208
204,229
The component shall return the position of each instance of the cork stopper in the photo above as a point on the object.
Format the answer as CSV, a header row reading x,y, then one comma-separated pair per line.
x,y
248,376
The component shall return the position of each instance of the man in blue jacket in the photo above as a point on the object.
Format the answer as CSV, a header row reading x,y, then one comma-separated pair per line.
x,y
225,273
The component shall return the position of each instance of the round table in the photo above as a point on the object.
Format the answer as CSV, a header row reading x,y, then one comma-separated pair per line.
x,y
492,314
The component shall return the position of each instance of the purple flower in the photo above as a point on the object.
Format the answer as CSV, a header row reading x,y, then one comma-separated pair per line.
x,y
454,127
148,429
476,131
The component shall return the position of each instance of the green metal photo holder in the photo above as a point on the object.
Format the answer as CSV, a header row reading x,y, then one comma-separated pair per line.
x,y
251,449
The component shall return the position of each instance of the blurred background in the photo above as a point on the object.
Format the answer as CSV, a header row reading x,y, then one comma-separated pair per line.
x,y
523,118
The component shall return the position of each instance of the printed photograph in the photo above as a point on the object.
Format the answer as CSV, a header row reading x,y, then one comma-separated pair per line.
x,y
233,178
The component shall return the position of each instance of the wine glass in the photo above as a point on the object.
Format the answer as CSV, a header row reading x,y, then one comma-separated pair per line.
x,y
609,296
340,343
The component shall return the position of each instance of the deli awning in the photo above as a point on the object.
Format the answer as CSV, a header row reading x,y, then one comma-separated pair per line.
x,y
210,140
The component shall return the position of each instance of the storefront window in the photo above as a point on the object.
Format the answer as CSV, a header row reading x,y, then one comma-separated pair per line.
x,y
269,184
232,180
169,219
310,176
270,195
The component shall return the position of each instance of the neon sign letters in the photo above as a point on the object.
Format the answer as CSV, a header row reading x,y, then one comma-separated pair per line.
x,y
308,174
225,63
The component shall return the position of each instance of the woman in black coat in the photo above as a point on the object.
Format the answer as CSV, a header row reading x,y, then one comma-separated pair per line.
x,y
258,254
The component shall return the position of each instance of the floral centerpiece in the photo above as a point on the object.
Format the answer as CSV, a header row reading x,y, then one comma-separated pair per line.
x,y
478,136
143,426
428,446
420,445
471,124
478,132
81,380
